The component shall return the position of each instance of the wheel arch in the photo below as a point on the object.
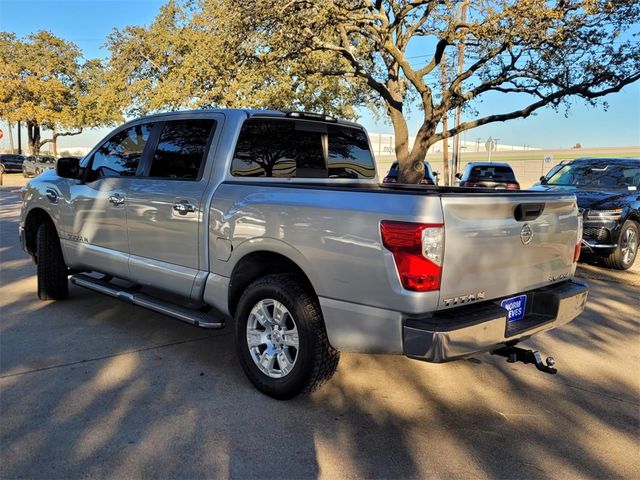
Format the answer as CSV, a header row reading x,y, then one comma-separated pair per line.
x,y
257,264
36,217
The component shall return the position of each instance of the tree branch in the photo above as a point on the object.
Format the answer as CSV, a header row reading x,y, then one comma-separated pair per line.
x,y
579,90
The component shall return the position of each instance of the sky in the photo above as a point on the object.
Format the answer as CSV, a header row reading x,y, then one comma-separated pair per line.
x,y
88,22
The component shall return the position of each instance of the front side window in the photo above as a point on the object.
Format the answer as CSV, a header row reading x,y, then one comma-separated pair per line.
x,y
181,149
121,154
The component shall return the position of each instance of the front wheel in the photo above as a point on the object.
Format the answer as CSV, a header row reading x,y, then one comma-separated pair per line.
x,y
625,253
281,339
52,271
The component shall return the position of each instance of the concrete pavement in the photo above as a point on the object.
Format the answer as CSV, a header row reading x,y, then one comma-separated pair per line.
x,y
92,387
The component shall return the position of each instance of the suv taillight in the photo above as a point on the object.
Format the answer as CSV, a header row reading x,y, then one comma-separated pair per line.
x,y
417,250
513,186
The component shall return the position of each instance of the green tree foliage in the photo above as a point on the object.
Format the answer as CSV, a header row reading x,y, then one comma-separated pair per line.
x,y
209,54
538,52
45,83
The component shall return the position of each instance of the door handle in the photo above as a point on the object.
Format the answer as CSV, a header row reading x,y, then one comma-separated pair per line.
x,y
183,207
52,195
116,200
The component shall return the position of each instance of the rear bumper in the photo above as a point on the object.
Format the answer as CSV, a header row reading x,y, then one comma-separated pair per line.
x,y
464,331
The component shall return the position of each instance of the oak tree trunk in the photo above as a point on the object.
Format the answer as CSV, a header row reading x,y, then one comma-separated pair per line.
x,y
33,134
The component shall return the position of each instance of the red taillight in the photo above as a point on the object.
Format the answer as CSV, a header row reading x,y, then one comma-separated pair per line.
x,y
513,186
417,250
576,253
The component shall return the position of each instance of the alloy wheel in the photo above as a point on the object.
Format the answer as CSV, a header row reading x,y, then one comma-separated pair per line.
x,y
272,338
629,245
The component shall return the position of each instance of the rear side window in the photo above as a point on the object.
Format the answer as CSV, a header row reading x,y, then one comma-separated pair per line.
x,y
301,149
493,173
276,148
120,155
181,149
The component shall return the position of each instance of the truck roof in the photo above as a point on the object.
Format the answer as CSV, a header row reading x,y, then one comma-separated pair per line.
x,y
253,113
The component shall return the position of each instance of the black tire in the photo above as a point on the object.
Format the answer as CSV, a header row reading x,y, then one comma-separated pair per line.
x,y
52,272
316,360
621,258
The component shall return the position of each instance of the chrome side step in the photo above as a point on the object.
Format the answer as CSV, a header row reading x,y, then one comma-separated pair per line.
x,y
193,317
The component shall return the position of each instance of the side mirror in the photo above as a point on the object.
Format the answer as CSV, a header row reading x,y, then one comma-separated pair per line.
x,y
68,167
459,176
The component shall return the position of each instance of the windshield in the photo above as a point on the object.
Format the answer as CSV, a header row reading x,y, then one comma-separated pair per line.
x,y
600,174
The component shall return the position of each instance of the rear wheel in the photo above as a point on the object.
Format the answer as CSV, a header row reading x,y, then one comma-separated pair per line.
x,y
52,271
280,337
625,253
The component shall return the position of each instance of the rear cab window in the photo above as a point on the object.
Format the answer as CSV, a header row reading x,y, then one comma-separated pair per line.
x,y
492,173
285,148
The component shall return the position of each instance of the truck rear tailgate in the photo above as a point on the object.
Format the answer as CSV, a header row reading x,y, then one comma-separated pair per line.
x,y
496,245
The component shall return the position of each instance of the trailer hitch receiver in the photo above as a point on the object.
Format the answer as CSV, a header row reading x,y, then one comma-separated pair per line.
x,y
516,354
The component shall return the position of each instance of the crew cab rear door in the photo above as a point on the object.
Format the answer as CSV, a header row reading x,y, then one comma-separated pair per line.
x,y
501,244
165,205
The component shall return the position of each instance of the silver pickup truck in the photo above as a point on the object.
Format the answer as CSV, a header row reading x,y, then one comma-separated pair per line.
x,y
277,220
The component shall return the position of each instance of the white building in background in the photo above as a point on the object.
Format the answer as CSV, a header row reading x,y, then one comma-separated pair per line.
x,y
383,144
76,151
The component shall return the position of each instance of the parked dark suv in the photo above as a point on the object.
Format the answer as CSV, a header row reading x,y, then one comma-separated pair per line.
x,y
498,176
608,190
394,172
10,163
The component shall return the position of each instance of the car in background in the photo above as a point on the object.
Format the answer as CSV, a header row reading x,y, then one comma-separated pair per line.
x,y
11,163
497,176
34,165
430,177
608,192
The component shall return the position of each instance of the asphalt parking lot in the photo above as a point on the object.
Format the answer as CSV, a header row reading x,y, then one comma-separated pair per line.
x,y
91,388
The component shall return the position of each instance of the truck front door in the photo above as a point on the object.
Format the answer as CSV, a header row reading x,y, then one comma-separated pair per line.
x,y
95,218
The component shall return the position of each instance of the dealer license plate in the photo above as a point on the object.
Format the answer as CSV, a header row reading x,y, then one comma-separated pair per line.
x,y
516,307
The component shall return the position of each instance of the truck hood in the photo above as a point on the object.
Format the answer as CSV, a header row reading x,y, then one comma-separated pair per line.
x,y
600,198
